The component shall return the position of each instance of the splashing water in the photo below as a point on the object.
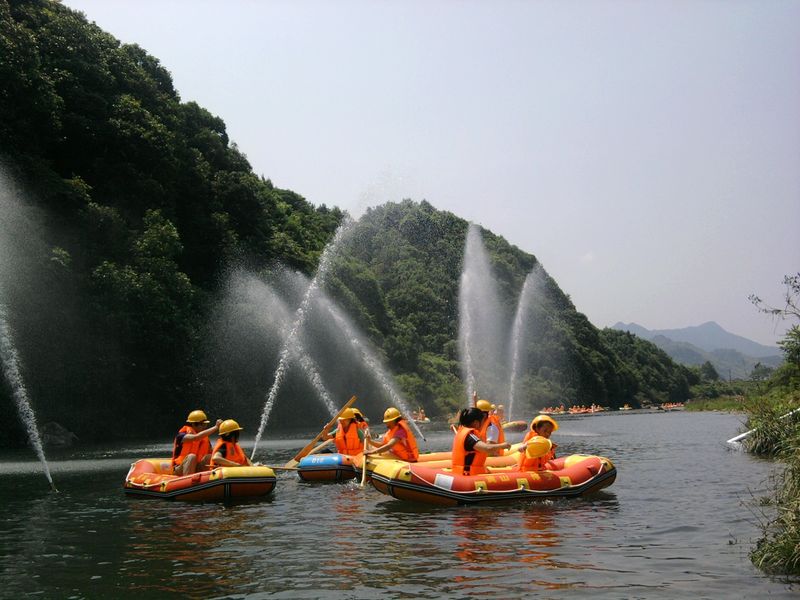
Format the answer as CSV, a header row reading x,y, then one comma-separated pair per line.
x,y
481,328
11,370
372,361
532,282
300,317
263,305
466,331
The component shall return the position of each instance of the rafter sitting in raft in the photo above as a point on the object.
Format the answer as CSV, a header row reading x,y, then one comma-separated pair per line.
x,y
227,451
191,450
491,430
470,448
399,441
532,458
349,436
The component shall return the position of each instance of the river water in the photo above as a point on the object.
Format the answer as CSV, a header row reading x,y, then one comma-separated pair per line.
x,y
678,522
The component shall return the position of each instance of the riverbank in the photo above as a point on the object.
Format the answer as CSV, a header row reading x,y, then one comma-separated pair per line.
x,y
778,436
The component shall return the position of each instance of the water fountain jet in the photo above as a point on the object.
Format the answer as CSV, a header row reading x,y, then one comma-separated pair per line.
x,y
300,317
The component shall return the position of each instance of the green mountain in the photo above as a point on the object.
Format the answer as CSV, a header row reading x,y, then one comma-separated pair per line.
x,y
123,207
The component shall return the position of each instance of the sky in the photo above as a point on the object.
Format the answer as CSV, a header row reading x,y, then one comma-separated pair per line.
x,y
647,153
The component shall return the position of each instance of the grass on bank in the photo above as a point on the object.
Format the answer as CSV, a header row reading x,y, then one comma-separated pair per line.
x,y
776,436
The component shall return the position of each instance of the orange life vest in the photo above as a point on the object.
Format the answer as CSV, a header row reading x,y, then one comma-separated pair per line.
x,y
464,462
181,448
233,452
404,449
526,463
347,441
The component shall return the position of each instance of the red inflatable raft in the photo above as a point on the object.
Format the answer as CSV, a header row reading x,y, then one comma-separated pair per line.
x,y
151,477
574,475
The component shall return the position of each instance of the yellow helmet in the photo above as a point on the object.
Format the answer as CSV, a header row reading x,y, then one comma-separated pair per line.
x,y
347,413
197,416
357,412
494,406
538,446
544,418
500,406
229,426
484,405
391,414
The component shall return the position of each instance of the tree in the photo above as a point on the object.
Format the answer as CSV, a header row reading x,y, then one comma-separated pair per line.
x,y
708,372
761,372
790,344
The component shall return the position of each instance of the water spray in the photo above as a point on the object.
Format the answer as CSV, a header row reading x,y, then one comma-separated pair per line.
x,y
10,362
300,317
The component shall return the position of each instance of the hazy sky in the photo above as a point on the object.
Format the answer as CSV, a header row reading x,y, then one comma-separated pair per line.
x,y
648,153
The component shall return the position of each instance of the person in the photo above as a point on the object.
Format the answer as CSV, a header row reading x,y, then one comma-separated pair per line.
x,y
191,449
349,437
501,413
543,426
399,440
491,428
470,449
227,451
360,420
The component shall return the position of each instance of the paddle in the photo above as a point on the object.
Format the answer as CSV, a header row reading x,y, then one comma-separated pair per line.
x,y
308,448
364,458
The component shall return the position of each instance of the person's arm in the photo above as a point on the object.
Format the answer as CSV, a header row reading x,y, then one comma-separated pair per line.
x,y
221,461
387,446
201,434
475,398
488,447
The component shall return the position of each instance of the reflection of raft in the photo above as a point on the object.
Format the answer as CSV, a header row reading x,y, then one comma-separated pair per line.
x,y
150,477
571,476
326,467
515,426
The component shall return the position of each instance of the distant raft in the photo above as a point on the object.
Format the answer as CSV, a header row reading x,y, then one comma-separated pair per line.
x,y
152,478
574,475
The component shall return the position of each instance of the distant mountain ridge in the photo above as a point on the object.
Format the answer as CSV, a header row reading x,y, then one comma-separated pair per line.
x,y
708,336
733,356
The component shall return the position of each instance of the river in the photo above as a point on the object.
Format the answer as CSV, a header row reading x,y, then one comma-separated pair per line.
x,y
678,522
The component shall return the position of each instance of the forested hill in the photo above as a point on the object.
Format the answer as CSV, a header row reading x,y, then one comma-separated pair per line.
x,y
143,200
138,202
401,278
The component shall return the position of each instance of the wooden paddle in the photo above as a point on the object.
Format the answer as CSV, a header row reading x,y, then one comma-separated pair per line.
x,y
308,448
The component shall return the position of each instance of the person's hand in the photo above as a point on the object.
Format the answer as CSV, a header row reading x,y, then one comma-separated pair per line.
x,y
506,446
218,423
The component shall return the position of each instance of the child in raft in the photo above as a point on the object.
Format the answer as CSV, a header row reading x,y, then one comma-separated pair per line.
x,y
470,449
349,435
399,440
227,451
530,459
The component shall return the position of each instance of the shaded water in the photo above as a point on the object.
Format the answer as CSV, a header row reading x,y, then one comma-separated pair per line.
x,y
675,524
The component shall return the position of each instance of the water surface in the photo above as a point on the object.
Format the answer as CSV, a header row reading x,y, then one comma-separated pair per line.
x,y
678,522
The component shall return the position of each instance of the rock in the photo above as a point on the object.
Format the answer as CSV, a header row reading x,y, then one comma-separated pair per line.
x,y
56,435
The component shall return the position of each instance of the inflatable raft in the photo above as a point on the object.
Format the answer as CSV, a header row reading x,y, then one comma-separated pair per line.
x,y
151,477
326,467
574,475
515,426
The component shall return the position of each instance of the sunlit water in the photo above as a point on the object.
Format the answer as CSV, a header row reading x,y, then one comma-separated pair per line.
x,y
677,523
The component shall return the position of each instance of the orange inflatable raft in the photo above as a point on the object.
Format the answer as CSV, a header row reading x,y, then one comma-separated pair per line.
x,y
574,475
152,478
